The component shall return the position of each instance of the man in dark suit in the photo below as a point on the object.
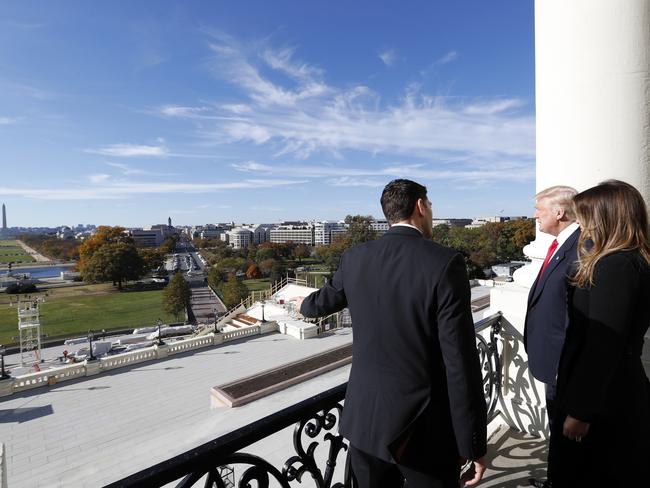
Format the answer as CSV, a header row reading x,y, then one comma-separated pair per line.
x,y
414,406
547,314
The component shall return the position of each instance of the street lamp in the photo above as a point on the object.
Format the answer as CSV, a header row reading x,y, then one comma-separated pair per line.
x,y
3,375
159,324
91,336
263,320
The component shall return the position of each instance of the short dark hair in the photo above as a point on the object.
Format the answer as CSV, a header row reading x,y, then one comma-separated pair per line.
x,y
399,198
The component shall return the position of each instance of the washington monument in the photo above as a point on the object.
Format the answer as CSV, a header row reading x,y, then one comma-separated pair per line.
x,y
4,217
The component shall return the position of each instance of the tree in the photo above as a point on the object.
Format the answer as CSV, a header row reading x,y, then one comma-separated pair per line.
x,y
176,296
266,266
264,252
301,251
277,271
215,278
233,292
331,255
114,261
110,255
360,229
231,265
152,258
169,244
253,272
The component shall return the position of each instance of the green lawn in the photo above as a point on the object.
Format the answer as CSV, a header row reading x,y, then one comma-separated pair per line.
x,y
23,258
11,251
71,312
257,285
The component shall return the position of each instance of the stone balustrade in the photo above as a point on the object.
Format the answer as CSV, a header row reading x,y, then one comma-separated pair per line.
x,y
89,368
50,376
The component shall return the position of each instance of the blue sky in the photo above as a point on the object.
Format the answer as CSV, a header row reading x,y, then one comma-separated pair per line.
x,y
256,111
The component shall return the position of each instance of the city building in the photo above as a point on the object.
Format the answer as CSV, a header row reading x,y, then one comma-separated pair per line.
x,y
262,232
147,237
238,238
299,233
324,230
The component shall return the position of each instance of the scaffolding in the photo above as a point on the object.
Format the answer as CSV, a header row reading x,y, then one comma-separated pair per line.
x,y
29,326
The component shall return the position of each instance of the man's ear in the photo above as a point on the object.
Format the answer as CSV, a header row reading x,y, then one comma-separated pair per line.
x,y
560,213
421,206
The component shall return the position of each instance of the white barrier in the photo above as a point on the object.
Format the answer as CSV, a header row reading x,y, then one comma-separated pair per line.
x,y
190,344
127,359
52,376
79,370
238,334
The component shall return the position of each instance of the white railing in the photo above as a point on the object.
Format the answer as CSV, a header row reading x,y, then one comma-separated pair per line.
x,y
127,359
41,378
190,344
237,334
258,296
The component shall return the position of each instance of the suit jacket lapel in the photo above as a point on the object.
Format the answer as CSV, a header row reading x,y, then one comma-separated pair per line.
x,y
560,255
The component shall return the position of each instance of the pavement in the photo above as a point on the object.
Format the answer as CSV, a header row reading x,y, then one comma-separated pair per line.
x,y
96,430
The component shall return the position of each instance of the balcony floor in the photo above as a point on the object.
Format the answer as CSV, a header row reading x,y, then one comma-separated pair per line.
x,y
514,457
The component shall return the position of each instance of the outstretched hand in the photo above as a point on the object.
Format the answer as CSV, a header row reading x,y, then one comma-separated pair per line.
x,y
298,301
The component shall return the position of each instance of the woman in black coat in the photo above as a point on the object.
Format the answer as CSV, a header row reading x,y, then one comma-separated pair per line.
x,y
600,436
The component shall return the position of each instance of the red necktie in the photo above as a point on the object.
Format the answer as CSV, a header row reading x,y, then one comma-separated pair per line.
x,y
549,254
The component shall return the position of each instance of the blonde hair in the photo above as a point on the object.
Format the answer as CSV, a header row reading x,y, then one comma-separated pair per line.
x,y
560,197
613,217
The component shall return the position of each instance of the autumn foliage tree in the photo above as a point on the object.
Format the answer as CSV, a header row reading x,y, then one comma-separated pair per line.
x,y
176,296
253,272
110,255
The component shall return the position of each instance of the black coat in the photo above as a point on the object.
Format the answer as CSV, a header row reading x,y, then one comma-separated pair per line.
x,y
547,313
601,379
415,391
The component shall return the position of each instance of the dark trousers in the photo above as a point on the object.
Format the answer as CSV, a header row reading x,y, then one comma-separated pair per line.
x,y
372,472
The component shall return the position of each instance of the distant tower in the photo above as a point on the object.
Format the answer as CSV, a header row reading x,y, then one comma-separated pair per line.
x,y
4,217
169,221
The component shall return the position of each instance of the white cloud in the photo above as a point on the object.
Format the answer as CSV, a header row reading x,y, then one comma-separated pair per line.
x,y
127,189
179,111
493,107
388,57
338,175
231,63
281,60
447,58
99,178
7,120
124,169
131,151
348,181
305,115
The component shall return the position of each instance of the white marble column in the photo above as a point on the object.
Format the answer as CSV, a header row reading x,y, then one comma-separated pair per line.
x,y
592,72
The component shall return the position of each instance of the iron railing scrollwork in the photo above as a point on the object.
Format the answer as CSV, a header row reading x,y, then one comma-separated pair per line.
x,y
217,463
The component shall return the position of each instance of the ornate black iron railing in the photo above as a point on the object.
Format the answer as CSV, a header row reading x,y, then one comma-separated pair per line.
x,y
217,463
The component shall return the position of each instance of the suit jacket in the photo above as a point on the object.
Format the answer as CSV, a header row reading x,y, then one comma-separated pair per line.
x,y
601,379
547,315
415,392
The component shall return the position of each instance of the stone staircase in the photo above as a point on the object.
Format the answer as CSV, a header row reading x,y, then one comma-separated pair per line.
x,y
240,321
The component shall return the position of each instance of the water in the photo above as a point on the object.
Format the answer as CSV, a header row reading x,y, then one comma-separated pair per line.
x,y
44,272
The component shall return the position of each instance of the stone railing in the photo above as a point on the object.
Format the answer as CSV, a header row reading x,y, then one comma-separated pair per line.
x,y
128,358
190,344
47,377
90,368
238,334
